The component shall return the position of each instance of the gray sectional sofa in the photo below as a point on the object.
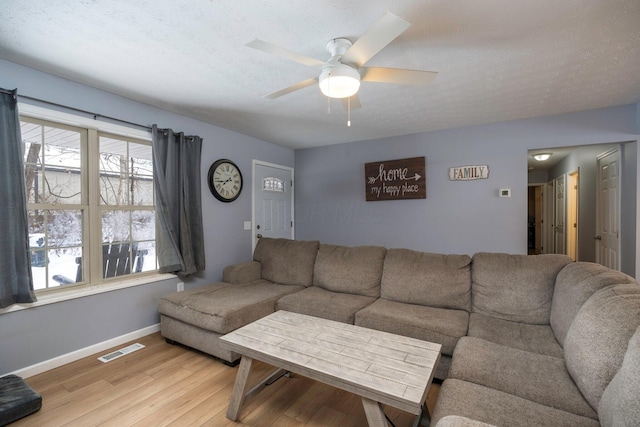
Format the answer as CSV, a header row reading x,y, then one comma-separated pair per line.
x,y
526,340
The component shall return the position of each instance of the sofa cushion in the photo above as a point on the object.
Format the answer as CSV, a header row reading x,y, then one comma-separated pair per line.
x,y
466,399
541,378
427,279
288,262
515,287
439,325
620,404
353,270
598,337
456,421
221,307
524,336
575,283
319,302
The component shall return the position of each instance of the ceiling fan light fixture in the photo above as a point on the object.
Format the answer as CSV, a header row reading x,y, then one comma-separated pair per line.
x,y
339,81
541,157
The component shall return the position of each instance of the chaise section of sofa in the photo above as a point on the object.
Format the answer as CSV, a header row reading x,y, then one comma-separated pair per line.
x,y
425,296
198,317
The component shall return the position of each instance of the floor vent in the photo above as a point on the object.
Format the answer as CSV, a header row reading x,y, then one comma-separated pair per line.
x,y
119,353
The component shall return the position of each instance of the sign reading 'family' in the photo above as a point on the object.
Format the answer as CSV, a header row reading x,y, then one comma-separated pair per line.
x,y
468,173
396,179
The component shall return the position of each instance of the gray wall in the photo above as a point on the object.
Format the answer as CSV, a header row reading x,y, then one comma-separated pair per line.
x,y
456,217
39,334
629,218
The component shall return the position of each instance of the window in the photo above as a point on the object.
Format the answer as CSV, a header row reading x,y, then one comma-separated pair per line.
x,y
90,204
273,184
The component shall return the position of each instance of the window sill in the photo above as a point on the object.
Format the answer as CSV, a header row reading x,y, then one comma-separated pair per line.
x,y
85,291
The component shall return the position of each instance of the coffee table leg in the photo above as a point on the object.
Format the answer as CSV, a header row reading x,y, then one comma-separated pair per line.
x,y
424,419
374,413
239,388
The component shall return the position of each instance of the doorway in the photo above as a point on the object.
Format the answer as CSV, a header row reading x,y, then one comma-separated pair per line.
x,y
536,220
540,211
272,203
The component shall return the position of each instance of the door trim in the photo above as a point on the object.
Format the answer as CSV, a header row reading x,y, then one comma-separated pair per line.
x,y
291,170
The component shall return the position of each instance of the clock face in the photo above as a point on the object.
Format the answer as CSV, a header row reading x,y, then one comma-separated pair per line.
x,y
225,180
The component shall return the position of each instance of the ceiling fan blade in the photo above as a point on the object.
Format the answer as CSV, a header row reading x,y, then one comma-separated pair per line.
x,y
375,39
293,88
396,75
355,102
285,53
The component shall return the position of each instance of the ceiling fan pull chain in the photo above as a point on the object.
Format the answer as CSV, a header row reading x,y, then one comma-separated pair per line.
x,y
349,112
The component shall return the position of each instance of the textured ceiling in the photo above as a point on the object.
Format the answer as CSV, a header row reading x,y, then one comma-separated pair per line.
x,y
497,60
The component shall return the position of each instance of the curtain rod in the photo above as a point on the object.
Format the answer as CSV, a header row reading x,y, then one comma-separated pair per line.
x,y
78,110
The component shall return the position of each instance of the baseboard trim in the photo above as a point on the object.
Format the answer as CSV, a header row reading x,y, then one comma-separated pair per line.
x,y
47,365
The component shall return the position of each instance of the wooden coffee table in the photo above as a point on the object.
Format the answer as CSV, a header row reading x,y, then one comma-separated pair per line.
x,y
380,367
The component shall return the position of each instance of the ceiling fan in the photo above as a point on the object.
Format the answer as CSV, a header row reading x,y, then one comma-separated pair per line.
x,y
341,75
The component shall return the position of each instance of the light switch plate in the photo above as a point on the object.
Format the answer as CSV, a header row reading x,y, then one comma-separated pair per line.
x,y
505,192
247,225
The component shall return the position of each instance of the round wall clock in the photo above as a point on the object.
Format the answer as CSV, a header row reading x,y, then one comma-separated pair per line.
x,y
225,180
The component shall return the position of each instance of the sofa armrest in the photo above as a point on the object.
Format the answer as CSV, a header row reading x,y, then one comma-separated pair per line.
x,y
242,273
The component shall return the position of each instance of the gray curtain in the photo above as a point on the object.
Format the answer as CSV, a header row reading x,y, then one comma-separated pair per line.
x,y
16,285
176,173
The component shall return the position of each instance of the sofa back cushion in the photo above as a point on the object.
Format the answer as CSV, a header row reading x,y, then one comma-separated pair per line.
x,y
598,338
515,287
427,279
574,285
620,404
353,270
287,262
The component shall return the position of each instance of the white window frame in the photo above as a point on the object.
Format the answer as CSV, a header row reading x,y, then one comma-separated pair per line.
x,y
93,282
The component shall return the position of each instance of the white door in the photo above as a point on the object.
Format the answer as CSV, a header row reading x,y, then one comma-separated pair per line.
x,y
548,246
607,236
560,215
272,201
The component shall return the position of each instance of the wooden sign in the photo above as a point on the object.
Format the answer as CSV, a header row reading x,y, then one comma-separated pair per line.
x,y
468,173
396,179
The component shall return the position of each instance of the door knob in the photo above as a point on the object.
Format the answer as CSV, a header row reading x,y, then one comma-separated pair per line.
x,y
259,235
597,237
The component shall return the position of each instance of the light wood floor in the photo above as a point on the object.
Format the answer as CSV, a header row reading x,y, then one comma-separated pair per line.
x,y
169,385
